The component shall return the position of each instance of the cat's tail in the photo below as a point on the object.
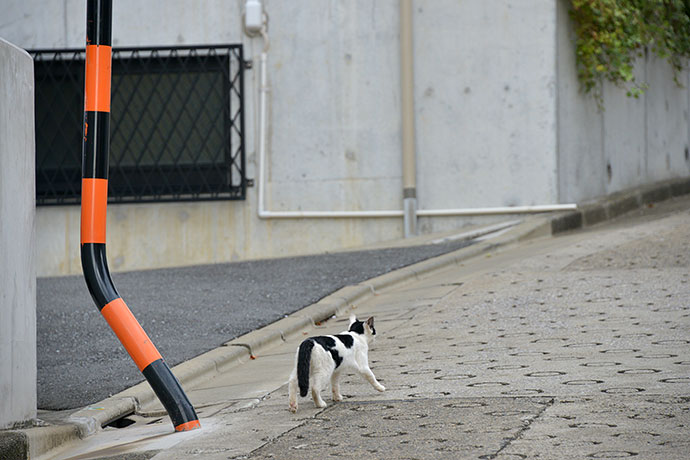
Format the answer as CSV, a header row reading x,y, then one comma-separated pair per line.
x,y
303,362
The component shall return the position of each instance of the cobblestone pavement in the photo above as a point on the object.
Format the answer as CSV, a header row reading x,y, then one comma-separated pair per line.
x,y
568,347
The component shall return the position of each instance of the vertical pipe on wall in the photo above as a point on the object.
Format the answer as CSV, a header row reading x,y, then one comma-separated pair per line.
x,y
94,199
407,108
263,90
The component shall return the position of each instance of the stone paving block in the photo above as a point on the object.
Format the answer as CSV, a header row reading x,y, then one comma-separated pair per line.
x,y
423,429
650,427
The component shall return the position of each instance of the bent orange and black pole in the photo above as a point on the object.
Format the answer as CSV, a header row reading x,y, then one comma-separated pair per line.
x,y
94,199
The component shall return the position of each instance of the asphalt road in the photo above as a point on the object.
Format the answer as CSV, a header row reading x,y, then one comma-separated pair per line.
x,y
186,312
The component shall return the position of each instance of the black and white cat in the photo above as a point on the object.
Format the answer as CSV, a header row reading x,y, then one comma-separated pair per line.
x,y
320,358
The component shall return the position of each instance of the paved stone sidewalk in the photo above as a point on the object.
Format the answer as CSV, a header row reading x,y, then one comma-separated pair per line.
x,y
569,347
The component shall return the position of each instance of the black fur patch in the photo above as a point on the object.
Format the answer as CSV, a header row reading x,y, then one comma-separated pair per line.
x,y
304,358
325,342
329,345
357,327
347,340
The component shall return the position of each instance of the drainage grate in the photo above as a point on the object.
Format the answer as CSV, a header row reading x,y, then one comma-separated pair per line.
x,y
123,422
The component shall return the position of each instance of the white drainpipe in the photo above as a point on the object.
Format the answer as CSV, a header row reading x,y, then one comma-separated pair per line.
x,y
263,90
266,214
409,163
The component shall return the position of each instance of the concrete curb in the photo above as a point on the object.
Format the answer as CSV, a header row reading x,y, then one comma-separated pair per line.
x,y
617,204
31,443
35,442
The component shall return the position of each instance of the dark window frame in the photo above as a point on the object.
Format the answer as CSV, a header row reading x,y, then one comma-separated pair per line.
x,y
215,172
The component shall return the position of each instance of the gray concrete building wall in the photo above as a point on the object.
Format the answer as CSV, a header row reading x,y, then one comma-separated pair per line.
x,y
631,141
334,119
485,104
580,136
17,238
499,121
667,122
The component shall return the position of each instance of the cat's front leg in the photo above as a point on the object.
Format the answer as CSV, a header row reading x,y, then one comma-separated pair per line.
x,y
371,378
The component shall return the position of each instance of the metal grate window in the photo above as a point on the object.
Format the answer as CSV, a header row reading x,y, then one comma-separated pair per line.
x,y
176,128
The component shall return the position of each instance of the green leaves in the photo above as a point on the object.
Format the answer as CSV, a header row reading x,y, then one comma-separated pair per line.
x,y
612,34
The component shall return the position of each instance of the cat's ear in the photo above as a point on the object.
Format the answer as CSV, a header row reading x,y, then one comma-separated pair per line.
x,y
353,318
370,326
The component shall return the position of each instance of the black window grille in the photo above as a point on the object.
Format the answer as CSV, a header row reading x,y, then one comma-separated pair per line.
x,y
176,124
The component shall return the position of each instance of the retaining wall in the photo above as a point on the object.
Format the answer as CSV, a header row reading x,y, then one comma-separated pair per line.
x,y
17,238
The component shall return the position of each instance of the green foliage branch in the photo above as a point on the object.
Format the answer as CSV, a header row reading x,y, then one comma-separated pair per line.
x,y
612,34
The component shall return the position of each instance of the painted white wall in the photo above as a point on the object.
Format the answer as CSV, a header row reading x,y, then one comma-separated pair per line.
x,y
499,117
17,235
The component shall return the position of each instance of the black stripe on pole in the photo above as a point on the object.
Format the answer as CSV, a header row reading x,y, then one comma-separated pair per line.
x,y
96,145
99,22
97,275
169,391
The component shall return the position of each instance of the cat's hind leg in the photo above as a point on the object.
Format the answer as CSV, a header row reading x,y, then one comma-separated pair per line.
x,y
335,386
317,384
321,369
292,392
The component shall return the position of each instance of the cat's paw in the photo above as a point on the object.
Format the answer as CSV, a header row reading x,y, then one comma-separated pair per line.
x,y
337,398
293,407
380,388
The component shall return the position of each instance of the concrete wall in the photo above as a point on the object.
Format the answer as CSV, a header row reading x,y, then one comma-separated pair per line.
x,y
485,101
499,119
632,141
17,235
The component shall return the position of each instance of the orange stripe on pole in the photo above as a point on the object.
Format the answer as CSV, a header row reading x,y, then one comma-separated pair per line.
x,y
98,70
130,333
94,202
189,426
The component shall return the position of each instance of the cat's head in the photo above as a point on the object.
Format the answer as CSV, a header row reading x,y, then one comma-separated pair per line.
x,y
365,328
